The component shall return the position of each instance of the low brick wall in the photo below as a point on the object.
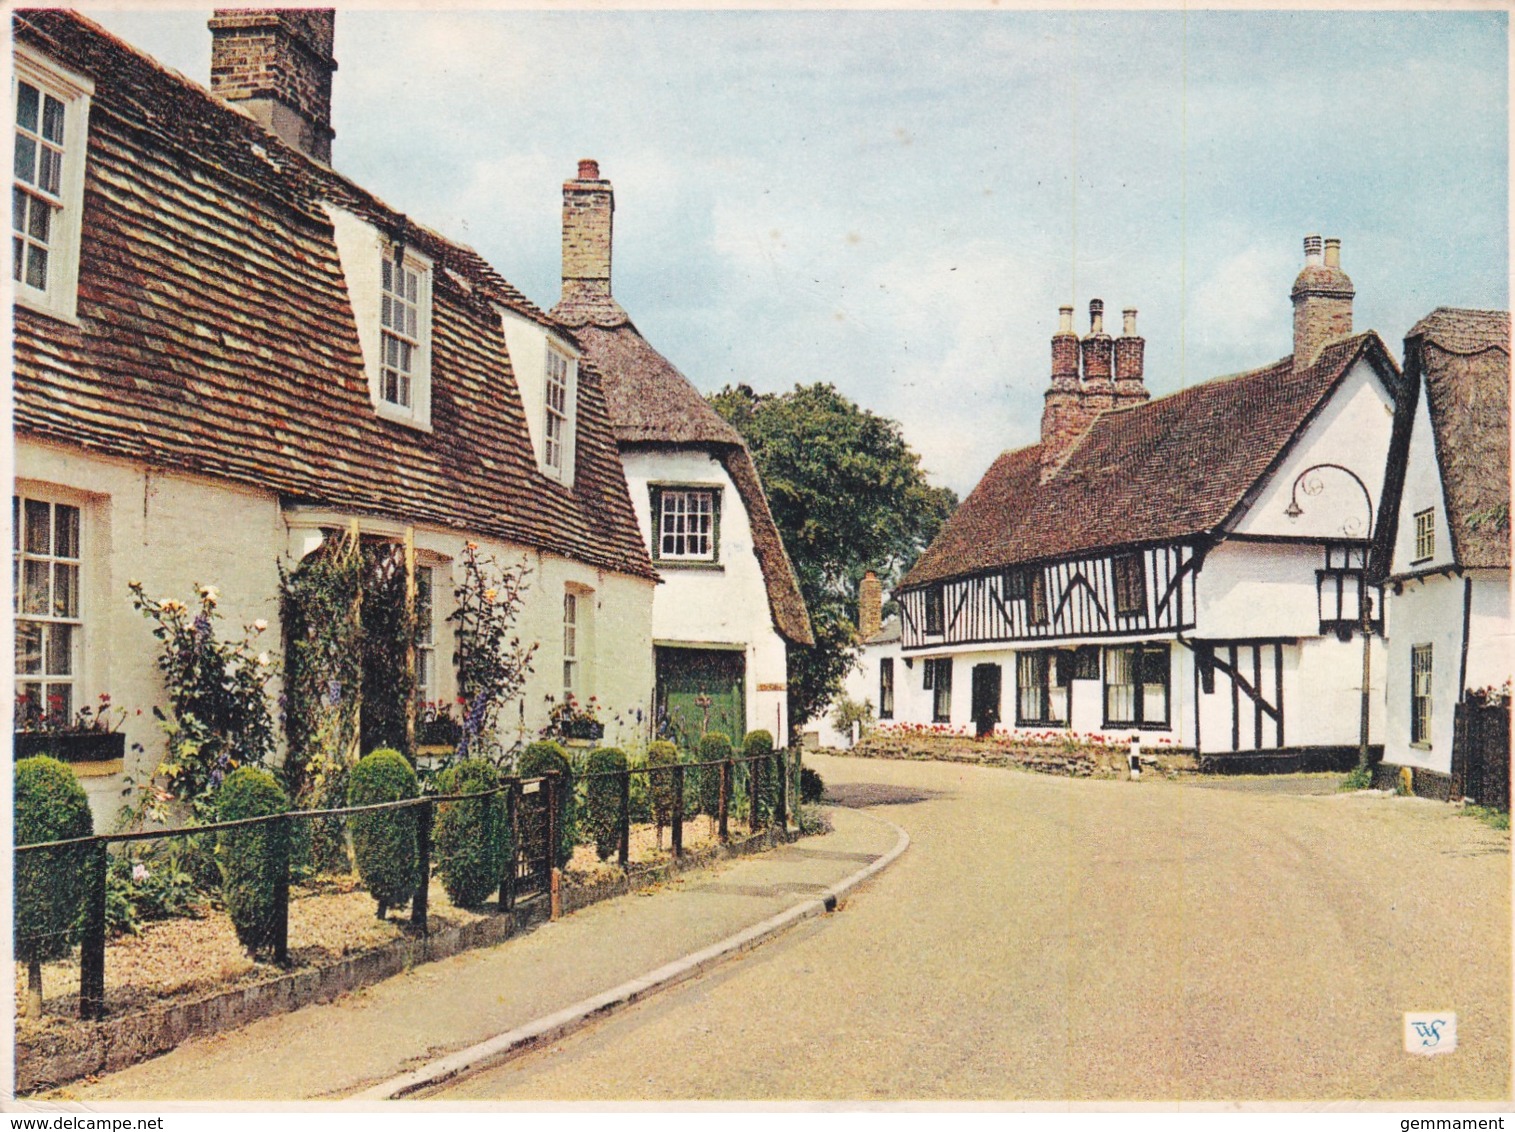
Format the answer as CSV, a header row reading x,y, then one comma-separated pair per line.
x,y
81,1049
1423,783
1072,759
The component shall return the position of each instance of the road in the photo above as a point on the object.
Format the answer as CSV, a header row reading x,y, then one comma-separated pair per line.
x,y
1056,939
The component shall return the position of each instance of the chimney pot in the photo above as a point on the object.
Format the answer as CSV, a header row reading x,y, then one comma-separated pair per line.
x,y
1129,315
1096,316
1322,297
1065,320
589,169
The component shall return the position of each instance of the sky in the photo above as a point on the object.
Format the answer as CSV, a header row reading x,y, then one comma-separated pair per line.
x,y
897,202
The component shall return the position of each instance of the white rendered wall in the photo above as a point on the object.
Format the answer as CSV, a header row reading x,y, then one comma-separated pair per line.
x,y
1258,589
721,605
1353,431
1422,491
1427,611
172,532
1491,635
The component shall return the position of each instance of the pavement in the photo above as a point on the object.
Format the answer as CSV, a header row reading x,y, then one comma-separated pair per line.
x,y
477,1007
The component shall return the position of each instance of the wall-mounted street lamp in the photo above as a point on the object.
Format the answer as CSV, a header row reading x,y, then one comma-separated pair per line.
x,y
1365,614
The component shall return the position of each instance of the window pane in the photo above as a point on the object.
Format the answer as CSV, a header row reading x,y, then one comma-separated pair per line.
x,y
386,315
39,224
410,285
35,597
28,647
18,210
66,531
404,391
60,702
18,254
52,120
26,160
423,604
60,650
388,270
403,354
36,268
15,522
423,671
50,176
65,590
28,98
1154,703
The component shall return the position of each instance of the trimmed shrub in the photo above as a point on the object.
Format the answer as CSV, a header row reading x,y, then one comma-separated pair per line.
x,y
536,760
811,786
714,747
471,839
602,799
384,841
50,806
759,745
661,757
252,858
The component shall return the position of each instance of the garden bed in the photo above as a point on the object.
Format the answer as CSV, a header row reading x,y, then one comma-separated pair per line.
x,y
189,977
1069,755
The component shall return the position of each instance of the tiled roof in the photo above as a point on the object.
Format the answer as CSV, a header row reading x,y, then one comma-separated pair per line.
x,y
652,403
1465,357
1175,467
215,333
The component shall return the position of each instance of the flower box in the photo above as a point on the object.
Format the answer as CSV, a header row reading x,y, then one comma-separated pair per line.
x,y
101,752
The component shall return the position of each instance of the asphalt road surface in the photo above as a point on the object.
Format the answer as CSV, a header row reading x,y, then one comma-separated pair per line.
x,y
1055,939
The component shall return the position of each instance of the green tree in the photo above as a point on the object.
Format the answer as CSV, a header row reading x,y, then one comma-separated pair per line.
x,y
848,496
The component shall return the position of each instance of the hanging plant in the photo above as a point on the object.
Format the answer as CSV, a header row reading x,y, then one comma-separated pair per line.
x,y
493,663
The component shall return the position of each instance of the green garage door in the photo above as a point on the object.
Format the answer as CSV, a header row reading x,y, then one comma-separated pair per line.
x,y
700,690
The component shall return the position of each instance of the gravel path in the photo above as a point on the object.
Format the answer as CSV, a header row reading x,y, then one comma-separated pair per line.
x,y
1053,939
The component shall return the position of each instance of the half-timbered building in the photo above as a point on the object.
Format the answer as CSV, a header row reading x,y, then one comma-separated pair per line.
x,y
224,350
1444,541
1189,568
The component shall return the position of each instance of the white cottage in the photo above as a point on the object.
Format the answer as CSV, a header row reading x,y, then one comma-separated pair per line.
x,y
225,349
729,606
1188,569
1445,538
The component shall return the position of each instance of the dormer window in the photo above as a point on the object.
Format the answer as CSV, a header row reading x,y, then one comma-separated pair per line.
x,y
390,289
555,425
52,115
401,334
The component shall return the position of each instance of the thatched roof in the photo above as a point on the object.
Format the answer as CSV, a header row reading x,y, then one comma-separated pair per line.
x,y
1464,358
652,404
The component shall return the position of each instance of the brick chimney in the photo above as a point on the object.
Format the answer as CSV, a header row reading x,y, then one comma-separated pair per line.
x,y
1062,414
1322,297
870,606
277,62
1099,390
1129,352
588,213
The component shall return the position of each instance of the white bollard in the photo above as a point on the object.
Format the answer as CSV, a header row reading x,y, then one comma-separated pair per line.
x,y
1136,758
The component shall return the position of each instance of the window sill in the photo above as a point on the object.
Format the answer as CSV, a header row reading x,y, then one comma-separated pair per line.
x,y
707,567
1060,724
57,311
1420,746
400,416
1119,725
1422,561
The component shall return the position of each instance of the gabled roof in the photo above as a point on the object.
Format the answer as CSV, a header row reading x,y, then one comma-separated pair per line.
x,y
653,404
1175,467
1464,358
215,333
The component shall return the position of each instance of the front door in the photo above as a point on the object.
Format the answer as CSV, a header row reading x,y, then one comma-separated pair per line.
x,y
986,692
700,690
